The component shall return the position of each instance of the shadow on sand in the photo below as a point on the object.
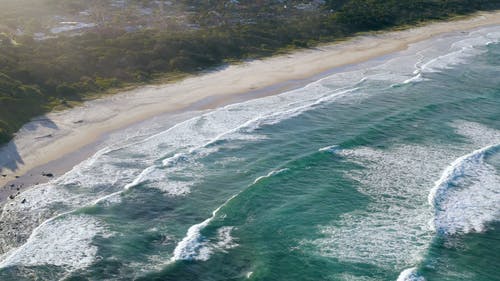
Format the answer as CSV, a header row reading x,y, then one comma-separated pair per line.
x,y
10,159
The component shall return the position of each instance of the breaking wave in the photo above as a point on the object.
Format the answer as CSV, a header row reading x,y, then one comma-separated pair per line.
x,y
194,246
410,274
466,196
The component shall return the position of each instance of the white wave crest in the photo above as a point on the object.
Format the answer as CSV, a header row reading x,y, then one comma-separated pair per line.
x,y
331,148
410,274
445,54
460,51
461,206
270,174
193,245
416,78
196,247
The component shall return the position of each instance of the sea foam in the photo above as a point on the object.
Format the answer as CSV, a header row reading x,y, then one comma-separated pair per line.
x,y
239,128
64,242
445,54
392,230
112,171
466,196
410,274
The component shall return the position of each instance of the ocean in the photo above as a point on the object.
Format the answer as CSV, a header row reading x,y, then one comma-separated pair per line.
x,y
386,170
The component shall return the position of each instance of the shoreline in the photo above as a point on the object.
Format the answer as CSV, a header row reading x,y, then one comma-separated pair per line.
x,y
56,142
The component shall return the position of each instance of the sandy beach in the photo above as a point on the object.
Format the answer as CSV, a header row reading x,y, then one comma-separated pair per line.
x,y
54,143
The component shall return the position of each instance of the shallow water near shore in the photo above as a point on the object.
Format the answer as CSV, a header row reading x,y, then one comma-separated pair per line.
x,y
384,173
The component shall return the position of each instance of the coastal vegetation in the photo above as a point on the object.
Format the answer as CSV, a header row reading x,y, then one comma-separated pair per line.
x,y
111,44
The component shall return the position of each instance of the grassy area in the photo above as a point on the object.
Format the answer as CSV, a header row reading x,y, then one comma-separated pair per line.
x,y
37,76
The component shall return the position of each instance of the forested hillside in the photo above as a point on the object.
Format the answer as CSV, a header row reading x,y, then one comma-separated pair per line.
x,y
53,52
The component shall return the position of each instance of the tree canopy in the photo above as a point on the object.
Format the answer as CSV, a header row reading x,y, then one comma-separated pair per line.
x,y
37,75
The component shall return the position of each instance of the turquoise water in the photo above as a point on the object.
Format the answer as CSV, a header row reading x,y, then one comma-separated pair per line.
x,y
387,171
